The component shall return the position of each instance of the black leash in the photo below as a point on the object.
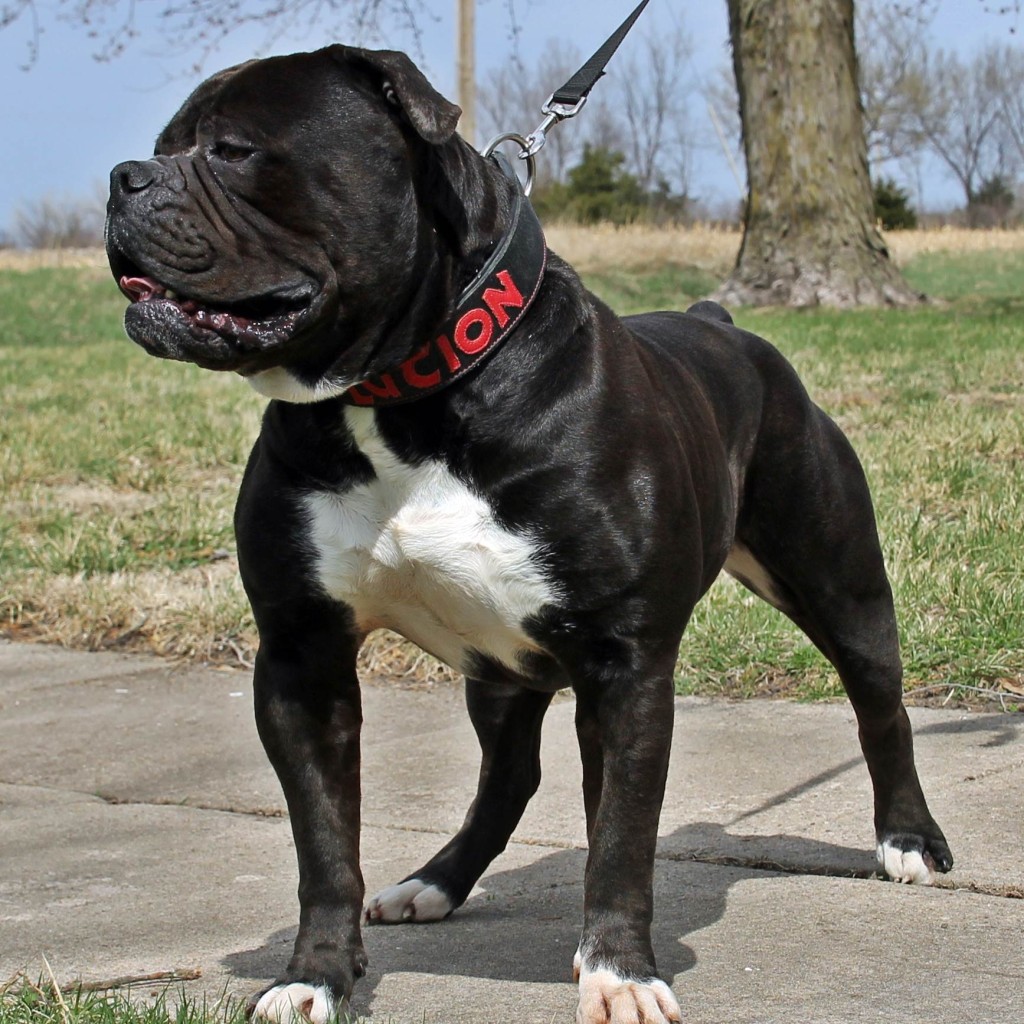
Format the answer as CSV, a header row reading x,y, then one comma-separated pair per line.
x,y
567,100
576,90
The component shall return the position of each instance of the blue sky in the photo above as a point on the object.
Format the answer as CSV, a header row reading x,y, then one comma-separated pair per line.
x,y
69,119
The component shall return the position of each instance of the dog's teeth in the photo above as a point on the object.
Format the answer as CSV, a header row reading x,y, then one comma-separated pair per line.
x,y
171,294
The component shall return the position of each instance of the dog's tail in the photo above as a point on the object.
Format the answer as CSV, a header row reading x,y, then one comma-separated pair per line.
x,y
708,310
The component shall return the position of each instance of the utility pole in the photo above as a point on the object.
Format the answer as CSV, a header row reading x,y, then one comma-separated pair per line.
x,y
467,69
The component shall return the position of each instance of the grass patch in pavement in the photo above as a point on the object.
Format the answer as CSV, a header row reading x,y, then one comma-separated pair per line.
x,y
119,473
22,1002
126,1001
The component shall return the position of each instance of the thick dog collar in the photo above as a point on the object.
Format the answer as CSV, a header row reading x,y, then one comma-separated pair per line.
x,y
488,311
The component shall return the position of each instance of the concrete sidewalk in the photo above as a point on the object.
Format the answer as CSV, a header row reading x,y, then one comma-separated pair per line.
x,y
142,830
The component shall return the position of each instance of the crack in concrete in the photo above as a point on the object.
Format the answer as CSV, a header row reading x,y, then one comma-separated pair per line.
x,y
251,812
1010,892
1005,892
765,864
119,801
709,857
997,770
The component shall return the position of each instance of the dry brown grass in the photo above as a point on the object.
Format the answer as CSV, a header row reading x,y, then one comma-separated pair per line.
x,y
905,245
34,259
606,247
188,613
634,247
194,614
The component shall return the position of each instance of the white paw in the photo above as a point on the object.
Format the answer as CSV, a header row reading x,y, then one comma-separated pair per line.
x,y
297,1003
414,900
608,998
904,866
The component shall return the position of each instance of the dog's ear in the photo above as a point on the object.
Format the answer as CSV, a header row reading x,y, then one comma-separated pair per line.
x,y
404,86
179,135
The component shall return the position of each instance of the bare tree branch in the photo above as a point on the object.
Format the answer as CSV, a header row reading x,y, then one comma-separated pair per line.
x,y
199,27
60,222
891,55
1011,96
958,113
653,98
1010,10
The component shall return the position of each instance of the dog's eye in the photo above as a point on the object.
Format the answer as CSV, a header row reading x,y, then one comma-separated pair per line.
x,y
231,153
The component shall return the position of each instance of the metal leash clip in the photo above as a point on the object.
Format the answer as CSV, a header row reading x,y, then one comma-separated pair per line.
x,y
556,113
571,98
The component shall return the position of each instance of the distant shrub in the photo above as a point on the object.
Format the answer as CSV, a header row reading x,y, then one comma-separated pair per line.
x,y
597,190
59,222
892,206
991,206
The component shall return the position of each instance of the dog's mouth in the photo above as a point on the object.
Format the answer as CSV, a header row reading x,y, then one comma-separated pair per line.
x,y
241,335
248,320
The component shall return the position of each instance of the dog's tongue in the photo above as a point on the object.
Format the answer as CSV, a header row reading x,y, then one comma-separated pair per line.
x,y
139,289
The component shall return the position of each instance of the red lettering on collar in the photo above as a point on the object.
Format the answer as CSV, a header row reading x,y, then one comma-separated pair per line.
x,y
483,320
413,377
508,296
452,360
385,389
440,361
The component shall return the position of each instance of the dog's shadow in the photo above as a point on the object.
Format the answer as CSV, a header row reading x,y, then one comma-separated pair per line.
x,y
525,925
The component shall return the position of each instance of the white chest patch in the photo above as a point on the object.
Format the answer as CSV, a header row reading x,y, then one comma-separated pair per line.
x,y
278,383
416,551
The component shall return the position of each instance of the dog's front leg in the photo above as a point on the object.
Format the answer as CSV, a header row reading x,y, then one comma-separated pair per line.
x,y
309,717
625,733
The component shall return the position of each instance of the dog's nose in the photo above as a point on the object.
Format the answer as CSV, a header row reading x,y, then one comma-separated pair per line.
x,y
132,176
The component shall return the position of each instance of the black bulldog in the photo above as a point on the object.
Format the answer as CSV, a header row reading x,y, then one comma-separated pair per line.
x,y
466,446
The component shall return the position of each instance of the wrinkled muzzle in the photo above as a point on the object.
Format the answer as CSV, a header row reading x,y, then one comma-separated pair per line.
x,y
209,279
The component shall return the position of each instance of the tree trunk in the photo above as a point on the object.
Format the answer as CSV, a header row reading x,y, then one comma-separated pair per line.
x,y
809,234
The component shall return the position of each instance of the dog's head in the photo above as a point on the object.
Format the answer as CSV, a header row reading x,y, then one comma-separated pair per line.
x,y
281,222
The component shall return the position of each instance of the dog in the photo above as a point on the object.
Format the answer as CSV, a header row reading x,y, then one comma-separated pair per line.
x,y
467,447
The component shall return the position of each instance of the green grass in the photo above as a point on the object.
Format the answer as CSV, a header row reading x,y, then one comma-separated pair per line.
x,y
83,404
932,402
115,468
26,1003
668,288
119,473
994,275
140,1002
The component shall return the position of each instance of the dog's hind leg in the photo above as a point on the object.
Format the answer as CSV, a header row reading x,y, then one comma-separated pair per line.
x,y
807,543
507,719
